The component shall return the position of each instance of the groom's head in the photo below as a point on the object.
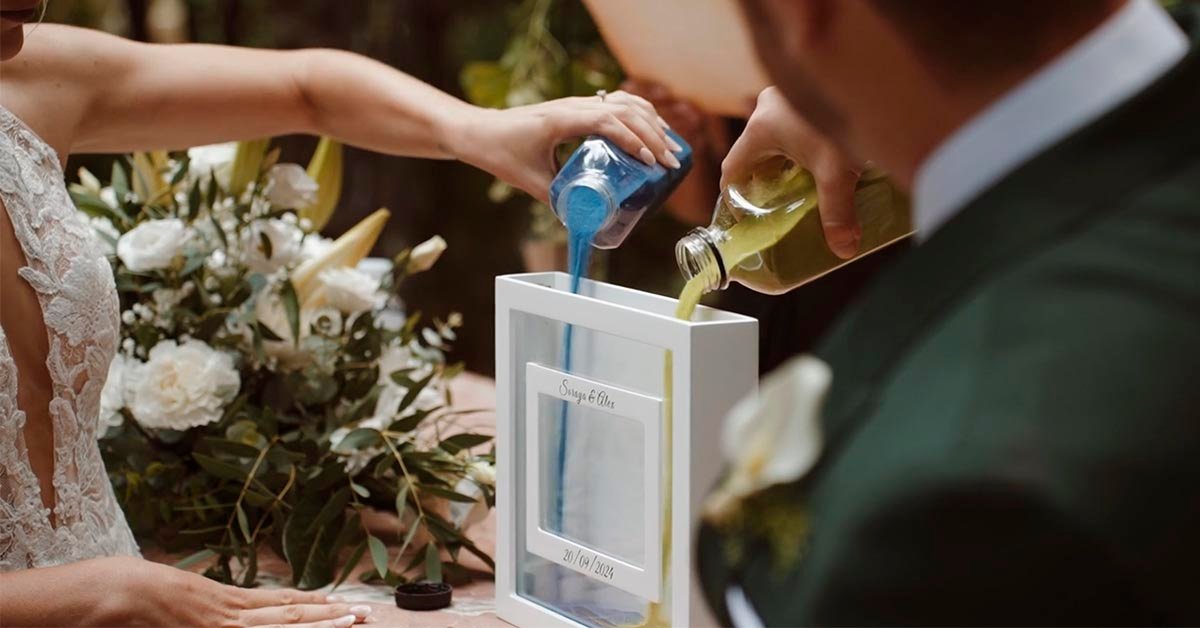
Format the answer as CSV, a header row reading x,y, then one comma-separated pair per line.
x,y
889,77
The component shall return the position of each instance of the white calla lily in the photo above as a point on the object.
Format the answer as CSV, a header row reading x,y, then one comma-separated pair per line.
x,y
773,437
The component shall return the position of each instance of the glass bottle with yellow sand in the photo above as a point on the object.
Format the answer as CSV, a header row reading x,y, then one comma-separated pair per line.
x,y
766,232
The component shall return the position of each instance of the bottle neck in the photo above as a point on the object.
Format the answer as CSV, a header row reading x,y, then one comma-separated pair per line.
x,y
698,256
586,204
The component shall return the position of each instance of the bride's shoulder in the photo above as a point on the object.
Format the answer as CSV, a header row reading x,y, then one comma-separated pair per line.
x,y
51,81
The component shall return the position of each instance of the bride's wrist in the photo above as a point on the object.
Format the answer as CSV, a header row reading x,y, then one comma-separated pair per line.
x,y
463,134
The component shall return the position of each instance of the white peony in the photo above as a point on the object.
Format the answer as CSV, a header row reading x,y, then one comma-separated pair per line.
x,y
289,187
153,245
181,386
214,158
351,290
285,239
426,254
112,396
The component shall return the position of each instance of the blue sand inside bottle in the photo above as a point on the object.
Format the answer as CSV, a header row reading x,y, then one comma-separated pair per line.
x,y
586,212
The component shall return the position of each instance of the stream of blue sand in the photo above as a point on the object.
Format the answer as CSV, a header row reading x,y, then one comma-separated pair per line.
x,y
585,213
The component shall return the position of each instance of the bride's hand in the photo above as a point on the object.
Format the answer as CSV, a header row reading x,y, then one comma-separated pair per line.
x,y
158,595
517,144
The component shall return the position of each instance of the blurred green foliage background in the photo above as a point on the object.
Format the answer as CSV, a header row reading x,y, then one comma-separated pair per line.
x,y
493,52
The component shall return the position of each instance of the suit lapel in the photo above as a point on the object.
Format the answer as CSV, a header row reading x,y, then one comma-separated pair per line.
x,y
1059,192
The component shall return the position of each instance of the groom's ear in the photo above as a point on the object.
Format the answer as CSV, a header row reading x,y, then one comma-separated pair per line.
x,y
790,21
789,31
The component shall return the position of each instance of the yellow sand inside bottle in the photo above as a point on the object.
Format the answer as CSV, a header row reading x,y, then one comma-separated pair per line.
x,y
775,251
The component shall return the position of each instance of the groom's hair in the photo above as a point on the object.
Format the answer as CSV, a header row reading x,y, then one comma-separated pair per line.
x,y
983,37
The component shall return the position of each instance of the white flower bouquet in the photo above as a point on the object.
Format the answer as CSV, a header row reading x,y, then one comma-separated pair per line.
x,y
269,387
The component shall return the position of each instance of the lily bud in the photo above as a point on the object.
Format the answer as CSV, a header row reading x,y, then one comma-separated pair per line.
x,y
326,169
347,250
425,255
246,164
148,180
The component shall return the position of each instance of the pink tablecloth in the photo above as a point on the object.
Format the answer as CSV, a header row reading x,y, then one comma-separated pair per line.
x,y
474,602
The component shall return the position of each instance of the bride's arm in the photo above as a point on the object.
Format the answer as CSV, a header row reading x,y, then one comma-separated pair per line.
x,y
118,95
125,591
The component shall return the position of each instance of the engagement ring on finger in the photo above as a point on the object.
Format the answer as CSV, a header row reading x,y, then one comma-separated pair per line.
x,y
602,93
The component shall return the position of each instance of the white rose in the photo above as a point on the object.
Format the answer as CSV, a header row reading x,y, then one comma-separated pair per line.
x,y
285,239
181,386
773,437
106,234
153,245
482,472
377,267
289,187
314,246
112,396
426,254
215,158
351,290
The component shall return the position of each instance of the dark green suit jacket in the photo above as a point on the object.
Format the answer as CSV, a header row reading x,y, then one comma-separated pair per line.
x,y
1013,431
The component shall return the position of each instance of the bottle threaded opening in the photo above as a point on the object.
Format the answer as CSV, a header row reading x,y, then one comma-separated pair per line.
x,y
586,204
698,256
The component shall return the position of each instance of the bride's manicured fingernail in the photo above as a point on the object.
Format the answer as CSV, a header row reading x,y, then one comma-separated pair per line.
x,y
334,599
360,610
675,147
345,621
663,123
671,160
647,156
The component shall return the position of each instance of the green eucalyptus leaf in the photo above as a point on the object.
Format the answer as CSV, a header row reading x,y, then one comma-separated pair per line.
x,y
181,170
197,557
402,501
220,468
410,423
239,449
433,563
267,333
446,493
409,536
412,393
120,183
243,522
291,306
359,438
334,507
459,442
351,563
379,555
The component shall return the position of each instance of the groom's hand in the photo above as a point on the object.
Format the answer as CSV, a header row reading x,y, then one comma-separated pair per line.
x,y
775,129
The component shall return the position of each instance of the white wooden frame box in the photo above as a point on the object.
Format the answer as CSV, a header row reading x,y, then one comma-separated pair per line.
x,y
584,450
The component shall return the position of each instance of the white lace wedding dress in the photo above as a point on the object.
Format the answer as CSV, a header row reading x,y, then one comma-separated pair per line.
x,y
79,305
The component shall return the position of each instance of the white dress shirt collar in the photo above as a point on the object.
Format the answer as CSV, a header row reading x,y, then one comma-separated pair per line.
x,y
1122,57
